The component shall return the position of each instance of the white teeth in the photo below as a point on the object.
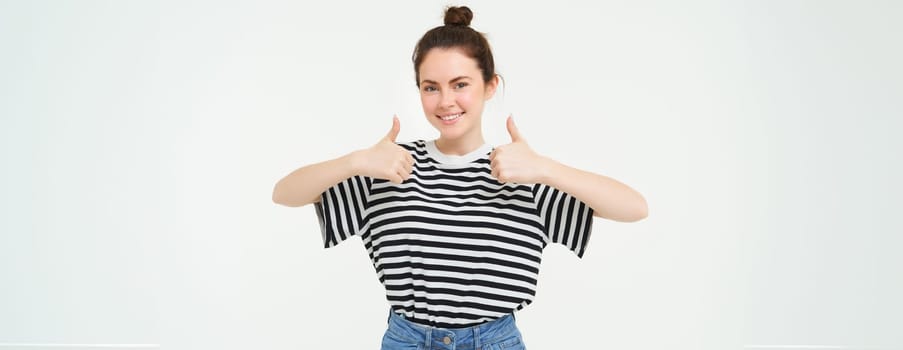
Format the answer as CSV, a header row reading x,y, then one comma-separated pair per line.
x,y
451,117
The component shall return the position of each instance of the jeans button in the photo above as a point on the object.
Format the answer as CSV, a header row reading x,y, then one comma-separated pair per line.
x,y
446,340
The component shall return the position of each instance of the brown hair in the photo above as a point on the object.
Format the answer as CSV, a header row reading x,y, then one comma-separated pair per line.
x,y
456,33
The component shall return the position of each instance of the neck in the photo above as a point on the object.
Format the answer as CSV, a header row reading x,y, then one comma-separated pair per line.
x,y
459,146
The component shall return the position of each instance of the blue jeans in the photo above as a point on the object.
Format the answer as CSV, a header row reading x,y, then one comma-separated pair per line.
x,y
497,334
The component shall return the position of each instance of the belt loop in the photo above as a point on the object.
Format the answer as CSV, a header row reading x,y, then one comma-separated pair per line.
x,y
429,337
476,337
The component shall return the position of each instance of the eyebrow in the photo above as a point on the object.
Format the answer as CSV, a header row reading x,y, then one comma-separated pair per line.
x,y
427,81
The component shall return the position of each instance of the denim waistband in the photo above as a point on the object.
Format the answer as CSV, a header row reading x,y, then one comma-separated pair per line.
x,y
474,337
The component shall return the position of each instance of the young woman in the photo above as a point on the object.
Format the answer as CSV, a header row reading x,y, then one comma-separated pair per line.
x,y
455,228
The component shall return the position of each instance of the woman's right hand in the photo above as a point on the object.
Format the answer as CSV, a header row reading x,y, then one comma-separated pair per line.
x,y
386,159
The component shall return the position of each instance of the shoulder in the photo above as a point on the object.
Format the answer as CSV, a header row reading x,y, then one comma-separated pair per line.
x,y
418,146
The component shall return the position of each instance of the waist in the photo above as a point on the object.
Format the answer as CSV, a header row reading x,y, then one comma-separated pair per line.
x,y
463,338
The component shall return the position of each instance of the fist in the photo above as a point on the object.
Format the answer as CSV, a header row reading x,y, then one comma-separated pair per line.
x,y
516,162
385,160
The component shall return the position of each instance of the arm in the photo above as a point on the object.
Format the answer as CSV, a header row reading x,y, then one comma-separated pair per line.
x,y
305,185
384,160
609,199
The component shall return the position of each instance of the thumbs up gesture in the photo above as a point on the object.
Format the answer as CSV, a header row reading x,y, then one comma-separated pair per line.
x,y
516,162
386,159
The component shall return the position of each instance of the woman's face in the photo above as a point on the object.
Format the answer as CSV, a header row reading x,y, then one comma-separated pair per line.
x,y
452,92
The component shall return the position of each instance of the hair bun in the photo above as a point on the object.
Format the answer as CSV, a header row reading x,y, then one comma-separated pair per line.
x,y
458,15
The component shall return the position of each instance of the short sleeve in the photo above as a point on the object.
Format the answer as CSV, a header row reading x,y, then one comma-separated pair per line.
x,y
565,219
342,210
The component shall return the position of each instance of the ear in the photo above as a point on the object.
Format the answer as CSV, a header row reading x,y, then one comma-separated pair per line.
x,y
489,89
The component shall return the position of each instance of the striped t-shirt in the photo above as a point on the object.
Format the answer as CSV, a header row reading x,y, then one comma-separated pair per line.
x,y
453,246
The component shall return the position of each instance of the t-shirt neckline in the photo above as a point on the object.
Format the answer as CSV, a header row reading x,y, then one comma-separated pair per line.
x,y
443,158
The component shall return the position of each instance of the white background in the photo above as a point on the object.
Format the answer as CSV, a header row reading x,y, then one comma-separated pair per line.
x,y
140,142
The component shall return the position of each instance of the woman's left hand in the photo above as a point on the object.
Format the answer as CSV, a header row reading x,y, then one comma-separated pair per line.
x,y
516,162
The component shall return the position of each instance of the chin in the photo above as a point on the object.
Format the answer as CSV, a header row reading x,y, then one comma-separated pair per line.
x,y
451,134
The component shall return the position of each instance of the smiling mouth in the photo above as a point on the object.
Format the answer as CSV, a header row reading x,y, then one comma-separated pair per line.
x,y
451,117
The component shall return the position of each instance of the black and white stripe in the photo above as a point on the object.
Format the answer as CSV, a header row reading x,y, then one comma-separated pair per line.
x,y
452,245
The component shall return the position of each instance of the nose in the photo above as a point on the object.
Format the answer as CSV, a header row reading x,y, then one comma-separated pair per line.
x,y
448,99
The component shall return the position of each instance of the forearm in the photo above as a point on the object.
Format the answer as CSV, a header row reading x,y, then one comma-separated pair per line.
x,y
609,198
305,185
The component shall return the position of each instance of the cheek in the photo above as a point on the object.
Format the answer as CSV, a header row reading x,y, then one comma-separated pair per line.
x,y
428,102
469,99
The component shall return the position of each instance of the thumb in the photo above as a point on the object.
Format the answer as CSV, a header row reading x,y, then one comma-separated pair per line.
x,y
393,133
512,130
